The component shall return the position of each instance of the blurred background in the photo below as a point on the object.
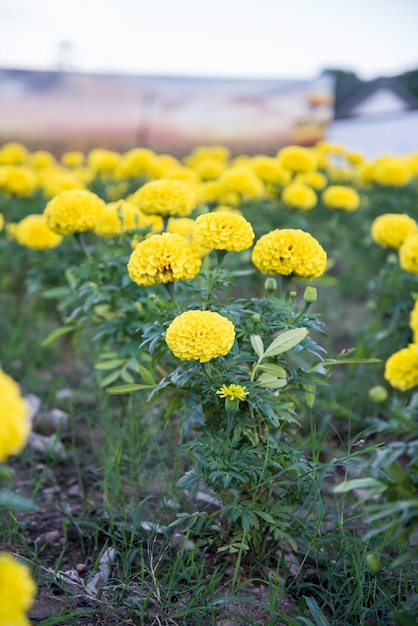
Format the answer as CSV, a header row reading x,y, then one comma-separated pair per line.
x,y
171,74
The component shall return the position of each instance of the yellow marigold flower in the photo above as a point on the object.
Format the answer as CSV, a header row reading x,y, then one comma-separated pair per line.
x,y
200,336
341,197
103,161
401,369
355,158
242,180
413,163
269,170
1,221
290,252
163,259
74,158
408,254
118,217
34,232
41,159
299,196
233,392
327,147
393,172
14,418
17,591
185,227
209,168
165,197
316,180
53,181
413,321
17,180
297,159
365,173
221,153
185,175
13,153
212,191
137,162
223,230
74,211
391,229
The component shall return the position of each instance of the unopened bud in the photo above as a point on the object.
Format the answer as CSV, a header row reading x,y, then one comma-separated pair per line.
x,y
292,294
270,284
373,562
310,294
256,317
392,259
378,394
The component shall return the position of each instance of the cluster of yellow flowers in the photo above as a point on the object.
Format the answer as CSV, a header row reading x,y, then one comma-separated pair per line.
x,y
399,231
401,369
34,232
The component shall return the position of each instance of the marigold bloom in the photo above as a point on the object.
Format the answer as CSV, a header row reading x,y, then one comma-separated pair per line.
x,y
392,172
299,196
74,211
391,229
1,221
34,232
163,259
413,321
55,179
290,252
17,180
223,230
103,161
401,369
297,159
242,180
209,168
137,162
14,418
165,197
118,217
341,197
316,180
233,392
75,158
269,170
200,336
13,153
17,591
41,159
408,254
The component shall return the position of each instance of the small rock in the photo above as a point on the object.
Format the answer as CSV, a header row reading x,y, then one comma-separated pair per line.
x,y
34,405
51,422
46,446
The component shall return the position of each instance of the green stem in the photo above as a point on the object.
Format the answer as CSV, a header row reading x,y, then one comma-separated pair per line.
x,y
79,237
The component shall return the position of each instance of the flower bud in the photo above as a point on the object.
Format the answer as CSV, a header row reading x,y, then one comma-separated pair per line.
x,y
256,317
310,294
292,294
378,394
373,562
270,284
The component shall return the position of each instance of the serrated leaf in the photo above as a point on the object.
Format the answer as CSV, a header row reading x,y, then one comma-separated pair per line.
x,y
58,332
257,344
274,370
130,388
286,341
109,364
146,375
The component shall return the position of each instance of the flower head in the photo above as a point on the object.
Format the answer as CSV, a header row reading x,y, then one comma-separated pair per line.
x,y
14,418
223,230
289,252
165,197
17,591
74,158
163,259
13,153
200,336
233,392
242,180
137,162
17,180
34,232
41,159
269,170
118,217
74,211
103,161
53,180
393,172
413,321
299,196
408,254
401,369
391,229
341,197
297,159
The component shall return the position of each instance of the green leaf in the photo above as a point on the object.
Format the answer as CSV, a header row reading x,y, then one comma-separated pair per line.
x,y
309,394
109,364
267,380
110,378
274,370
121,389
58,332
286,341
147,376
332,362
360,483
257,344
317,614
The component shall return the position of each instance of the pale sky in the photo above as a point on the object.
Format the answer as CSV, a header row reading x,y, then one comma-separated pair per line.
x,y
218,38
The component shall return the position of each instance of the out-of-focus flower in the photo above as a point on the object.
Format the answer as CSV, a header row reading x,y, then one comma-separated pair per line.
x,y
103,161
220,153
413,321
316,180
163,259
13,153
341,197
269,170
200,336
72,159
391,229
242,180
17,591
1,221
290,252
17,180
41,159
54,180
393,172
209,168
299,196
298,159
401,369
223,230
14,420
74,211
118,217
165,197
408,254
34,232
137,162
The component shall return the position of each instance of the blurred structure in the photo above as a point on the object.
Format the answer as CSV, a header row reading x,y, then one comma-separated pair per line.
x,y
380,117
65,110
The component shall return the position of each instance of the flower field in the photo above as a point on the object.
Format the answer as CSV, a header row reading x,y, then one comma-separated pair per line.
x,y
208,388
